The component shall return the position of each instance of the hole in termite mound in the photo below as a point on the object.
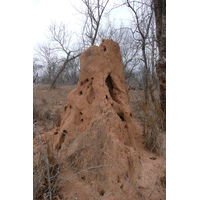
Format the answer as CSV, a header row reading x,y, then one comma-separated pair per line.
x,y
65,108
121,115
109,85
102,192
62,139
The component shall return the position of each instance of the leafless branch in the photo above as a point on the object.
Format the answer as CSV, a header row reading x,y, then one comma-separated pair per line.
x,y
93,16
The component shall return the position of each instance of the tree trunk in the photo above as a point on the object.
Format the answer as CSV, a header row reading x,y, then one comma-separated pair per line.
x,y
160,15
152,88
145,73
61,70
49,65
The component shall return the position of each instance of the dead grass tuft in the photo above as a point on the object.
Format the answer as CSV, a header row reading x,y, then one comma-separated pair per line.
x,y
152,120
44,101
40,113
163,180
57,118
40,174
37,112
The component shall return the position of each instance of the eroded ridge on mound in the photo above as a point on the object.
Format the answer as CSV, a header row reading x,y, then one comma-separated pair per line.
x,y
97,127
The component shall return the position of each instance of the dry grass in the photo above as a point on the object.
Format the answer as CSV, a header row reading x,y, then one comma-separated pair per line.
x,y
57,118
163,180
46,173
151,118
48,106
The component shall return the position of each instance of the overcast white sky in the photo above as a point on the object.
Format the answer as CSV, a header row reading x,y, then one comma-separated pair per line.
x,y
45,11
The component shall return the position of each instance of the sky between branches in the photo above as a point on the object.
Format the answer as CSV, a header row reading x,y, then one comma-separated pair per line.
x,y
46,11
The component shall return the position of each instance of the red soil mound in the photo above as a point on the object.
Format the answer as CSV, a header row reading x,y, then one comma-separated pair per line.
x,y
97,128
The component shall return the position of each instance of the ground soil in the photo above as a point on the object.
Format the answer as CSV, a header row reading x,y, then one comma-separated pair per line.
x,y
48,106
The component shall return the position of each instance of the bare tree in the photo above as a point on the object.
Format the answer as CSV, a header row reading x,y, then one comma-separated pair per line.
x,y
93,15
160,15
143,14
36,68
62,39
47,58
35,78
153,82
70,74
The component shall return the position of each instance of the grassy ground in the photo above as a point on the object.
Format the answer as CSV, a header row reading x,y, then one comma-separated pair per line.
x,y
48,106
